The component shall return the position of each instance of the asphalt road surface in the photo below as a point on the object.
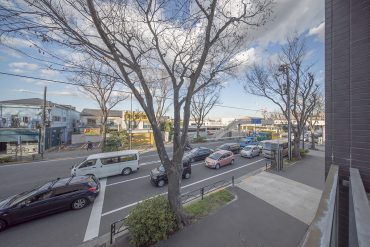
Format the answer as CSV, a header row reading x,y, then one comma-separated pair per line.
x,y
118,196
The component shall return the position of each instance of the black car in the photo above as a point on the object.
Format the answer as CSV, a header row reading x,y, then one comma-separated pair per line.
x,y
233,147
158,176
55,196
198,154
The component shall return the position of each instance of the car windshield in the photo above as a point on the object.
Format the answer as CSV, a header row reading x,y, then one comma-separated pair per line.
x,y
247,148
161,168
224,146
215,156
194,151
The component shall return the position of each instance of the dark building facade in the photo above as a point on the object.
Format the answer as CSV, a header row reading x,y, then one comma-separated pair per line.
x,y
347,92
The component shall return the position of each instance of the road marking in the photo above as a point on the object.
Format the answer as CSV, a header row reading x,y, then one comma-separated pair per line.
x,y
182,187
128,180
92,230
149,163
133,179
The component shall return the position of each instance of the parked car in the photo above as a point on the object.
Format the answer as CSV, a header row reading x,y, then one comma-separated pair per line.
x,y
233,147
58,195
250,151
198,154
108,164
249,140
219,158
158,176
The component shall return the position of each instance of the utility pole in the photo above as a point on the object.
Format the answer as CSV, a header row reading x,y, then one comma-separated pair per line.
x,y
43,131
285,68
130,125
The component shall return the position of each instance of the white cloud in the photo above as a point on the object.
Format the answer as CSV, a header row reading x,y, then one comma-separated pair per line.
x,y
49,73
318,31
290,16
20,67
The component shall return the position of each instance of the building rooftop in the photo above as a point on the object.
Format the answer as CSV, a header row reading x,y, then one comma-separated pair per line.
x,y
97,113
34,102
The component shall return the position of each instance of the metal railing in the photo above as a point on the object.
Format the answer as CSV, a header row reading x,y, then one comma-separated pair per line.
x,y
119,225
194,194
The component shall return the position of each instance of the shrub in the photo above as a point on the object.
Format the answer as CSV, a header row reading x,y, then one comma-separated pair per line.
x,y
151,221
5,159
199,139
304,152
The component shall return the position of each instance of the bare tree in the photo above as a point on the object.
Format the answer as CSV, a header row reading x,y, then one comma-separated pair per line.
x,y
188,39
96,82
267,81
202,104
314,117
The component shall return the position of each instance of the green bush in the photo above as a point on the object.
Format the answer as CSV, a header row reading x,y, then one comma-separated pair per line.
x,y
304,152
199,139
151,221
5,159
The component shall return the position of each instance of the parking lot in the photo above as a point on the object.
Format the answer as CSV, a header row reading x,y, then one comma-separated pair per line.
x,y
119,194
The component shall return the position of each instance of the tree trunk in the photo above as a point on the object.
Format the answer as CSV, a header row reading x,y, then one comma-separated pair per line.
x,y
174,175
198,130
296,150
313,140
104,131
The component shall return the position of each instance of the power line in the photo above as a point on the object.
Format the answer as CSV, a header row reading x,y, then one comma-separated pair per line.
x,y
121,91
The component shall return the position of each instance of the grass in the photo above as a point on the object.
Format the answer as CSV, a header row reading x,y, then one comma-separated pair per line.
x,y
210,203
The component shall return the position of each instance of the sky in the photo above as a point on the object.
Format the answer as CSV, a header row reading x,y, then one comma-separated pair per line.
x,y
306,17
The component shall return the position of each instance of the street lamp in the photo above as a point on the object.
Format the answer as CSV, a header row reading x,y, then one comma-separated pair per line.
x,y
285,69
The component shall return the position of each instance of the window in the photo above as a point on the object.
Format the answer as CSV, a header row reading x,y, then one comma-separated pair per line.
x,y
25,119
91,121
56,118
146,126
111,160
128,157
64,190
87,163
64,119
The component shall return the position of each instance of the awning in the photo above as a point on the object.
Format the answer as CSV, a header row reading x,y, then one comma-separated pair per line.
x,y
13,135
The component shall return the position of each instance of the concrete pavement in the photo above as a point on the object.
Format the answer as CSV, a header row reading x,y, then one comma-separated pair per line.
x,y
273,214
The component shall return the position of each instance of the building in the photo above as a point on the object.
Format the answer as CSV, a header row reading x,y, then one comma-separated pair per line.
x,y
347,90
92,118
18,115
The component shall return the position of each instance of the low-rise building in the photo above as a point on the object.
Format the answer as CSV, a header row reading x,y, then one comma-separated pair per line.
x,y
17,115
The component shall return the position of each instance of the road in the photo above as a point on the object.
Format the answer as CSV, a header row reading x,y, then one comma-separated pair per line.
x,y
118,196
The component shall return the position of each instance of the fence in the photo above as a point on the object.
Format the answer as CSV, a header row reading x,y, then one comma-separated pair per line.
x,y
119,226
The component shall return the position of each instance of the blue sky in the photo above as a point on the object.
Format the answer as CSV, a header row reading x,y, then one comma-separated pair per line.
x,y
305,17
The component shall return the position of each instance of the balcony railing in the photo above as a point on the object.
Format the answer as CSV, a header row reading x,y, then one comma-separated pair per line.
x,y
323,230
359,212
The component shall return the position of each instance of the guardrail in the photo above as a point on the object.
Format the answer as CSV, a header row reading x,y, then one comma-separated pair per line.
x,y
119,225
192,195
359,212
323,229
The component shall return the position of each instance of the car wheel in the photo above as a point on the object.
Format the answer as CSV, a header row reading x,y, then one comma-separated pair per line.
x,y
3,225
187,175
79,203
160,183
126,171
217,166
232,162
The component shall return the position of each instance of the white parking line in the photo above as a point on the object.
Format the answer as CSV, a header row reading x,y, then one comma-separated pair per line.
x,y
182,187
93,226
133,179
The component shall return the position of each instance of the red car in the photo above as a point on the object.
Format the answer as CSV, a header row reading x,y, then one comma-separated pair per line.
x,y
220,158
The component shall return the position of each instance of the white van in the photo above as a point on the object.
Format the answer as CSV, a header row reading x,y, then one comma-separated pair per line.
x,y
108,164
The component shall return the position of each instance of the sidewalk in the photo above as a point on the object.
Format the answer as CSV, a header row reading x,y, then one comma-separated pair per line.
x,y
272,209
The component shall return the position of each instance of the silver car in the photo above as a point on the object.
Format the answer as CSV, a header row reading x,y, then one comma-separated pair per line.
x,y
250,151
